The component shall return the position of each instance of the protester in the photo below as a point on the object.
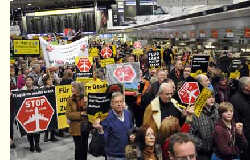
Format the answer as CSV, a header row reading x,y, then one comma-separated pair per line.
x,y
229,138
35,73
177,73
21,78
146,139
115,128
76,112
182,146
202,128
222,89
33,138
47,81
151,94
162,107
241,103
204,81
185,77
67,77
170,125
132,150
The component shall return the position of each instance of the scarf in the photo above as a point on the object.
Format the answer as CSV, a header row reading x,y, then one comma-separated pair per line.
x,y
148,153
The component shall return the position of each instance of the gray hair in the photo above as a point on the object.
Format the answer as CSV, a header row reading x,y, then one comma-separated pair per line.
x,y
244,81
117,94
79,87
163,86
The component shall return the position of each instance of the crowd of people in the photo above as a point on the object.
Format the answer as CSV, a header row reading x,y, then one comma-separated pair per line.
x,y
150,124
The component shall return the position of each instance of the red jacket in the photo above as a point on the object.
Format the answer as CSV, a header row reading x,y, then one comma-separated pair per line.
x,y
227,142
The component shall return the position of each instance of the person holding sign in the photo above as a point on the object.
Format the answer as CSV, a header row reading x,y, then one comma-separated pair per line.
x,y
47,81
115,128
202,128
162,107
33,138
76,112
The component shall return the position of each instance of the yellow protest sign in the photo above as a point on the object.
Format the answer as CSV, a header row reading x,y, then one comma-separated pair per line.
x,y
197,73
114,50
94,52
137,52
201,101
26,47
235,75
107,61
83,79
97,86
63,92
12,61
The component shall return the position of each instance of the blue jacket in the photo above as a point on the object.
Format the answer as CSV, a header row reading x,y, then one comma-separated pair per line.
x,y
116,133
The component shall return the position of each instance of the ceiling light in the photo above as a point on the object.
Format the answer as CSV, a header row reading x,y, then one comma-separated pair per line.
x,y
29,4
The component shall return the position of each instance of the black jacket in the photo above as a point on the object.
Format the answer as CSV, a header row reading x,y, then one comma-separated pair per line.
x,y
241,103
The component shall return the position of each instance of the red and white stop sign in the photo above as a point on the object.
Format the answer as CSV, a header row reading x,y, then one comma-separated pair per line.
x,y
84,65
125,73
35,114
137,45
189,92
106,52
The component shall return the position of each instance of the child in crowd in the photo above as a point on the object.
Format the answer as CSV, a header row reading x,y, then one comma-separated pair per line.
x,y
229,138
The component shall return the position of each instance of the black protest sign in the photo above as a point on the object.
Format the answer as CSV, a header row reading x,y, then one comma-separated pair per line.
x,y
154,59
236,63
98,106
35,110
84,67
200,63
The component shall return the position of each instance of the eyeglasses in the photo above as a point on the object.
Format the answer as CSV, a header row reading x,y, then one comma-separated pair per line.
x,y
189,157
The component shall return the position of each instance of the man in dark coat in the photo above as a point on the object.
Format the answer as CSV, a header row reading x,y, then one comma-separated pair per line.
x,y
241,103
151,94
177,73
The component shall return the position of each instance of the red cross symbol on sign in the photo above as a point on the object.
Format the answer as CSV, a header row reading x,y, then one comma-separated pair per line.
x,y
189,92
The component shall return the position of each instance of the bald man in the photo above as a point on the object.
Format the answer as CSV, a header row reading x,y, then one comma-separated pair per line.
x,y
161,107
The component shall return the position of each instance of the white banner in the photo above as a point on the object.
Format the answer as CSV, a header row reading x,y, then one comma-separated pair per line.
x,y
59,55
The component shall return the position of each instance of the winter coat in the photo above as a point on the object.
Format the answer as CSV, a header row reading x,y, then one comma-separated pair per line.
x,y
203,127
227,142
176,78
241,103
20,81
76,120
152,114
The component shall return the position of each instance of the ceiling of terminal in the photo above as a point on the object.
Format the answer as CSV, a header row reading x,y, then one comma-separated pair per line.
x,y
40,5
